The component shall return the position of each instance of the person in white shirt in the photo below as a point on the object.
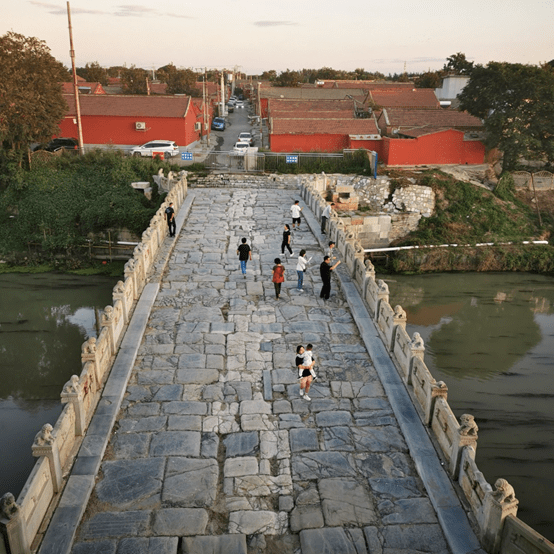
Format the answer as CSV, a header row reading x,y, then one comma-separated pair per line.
x,y
325,216
295,210
309,359
300,268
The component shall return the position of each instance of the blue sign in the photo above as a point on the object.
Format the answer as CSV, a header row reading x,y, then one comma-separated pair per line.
x,y
292,159
186,156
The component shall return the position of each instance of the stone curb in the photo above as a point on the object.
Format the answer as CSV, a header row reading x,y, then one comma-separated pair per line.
x,y
452,517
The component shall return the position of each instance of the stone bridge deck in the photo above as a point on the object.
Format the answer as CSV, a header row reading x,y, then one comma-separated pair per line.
x,y
214,451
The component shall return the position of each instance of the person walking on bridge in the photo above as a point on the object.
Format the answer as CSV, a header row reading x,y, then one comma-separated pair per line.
x,y
325,271
304,374
244,254
286,240
170,215
295,211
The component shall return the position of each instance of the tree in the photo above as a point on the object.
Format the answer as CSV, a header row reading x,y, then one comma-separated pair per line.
x,y
31,100
94,73
458,64
133,80
517,103
429,79
270,75
288,78
179,81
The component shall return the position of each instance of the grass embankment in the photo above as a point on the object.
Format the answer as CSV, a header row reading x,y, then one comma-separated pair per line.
x,y
52,214
467,214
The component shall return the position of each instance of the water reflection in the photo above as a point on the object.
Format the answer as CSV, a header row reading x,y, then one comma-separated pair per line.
x,y
490,337
44,319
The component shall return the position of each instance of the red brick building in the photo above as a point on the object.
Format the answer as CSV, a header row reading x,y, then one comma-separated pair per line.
x,y
133,120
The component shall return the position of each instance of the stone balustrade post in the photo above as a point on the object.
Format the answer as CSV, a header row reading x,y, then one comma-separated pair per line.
x,y
399,319
119,294
45,445
438,390
130,272
382,294
73,394
13,528
498,504
417,350
369,271
89,354
107,320
467,436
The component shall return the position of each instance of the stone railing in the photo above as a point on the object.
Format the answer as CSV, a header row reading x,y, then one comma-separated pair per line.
x,y
494,509
22,520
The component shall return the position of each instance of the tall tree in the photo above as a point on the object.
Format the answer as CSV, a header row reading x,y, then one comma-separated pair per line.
x,y
517,103
179,81
288,78
94,73
31,101
458,64
133,80
429,79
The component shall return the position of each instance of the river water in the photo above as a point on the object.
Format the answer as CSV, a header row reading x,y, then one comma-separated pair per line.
x,y
490,338
44,319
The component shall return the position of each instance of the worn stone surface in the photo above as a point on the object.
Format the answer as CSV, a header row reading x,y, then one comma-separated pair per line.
x,y
215,450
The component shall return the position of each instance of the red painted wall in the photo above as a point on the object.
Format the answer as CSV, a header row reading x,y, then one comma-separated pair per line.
x,y
446,147
121,129
308,143
375,145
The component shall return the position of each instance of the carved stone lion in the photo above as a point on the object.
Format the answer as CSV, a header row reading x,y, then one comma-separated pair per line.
x,y
72,386
468,427
89,347
399,313
417,341
44,437
8,506
107,314
504,492
119,287
130,266
382,286
369,266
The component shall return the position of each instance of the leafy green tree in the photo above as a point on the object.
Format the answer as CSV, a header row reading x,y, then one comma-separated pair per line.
x,y
458,64
94,73
517,103
179,81
133,80
288,78
31,101
115,70
429,79
270,75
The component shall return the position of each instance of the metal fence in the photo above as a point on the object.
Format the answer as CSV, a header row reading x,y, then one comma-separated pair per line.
x,y
292,162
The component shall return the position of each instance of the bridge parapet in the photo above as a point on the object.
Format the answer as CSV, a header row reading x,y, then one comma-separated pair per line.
x,y
56,446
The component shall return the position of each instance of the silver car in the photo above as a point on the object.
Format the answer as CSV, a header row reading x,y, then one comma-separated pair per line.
x,y
163,148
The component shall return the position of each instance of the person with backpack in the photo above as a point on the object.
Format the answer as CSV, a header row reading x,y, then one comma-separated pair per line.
x,y
244,254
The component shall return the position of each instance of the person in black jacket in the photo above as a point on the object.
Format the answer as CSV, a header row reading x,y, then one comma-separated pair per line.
x,y
325,271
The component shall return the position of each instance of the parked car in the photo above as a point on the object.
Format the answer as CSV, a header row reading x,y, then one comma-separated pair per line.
x,y
230,107
246,137
239,104
56,144
166,147
241,147
218,124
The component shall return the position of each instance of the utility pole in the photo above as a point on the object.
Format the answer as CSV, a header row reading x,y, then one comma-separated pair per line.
x,y
75,87
222,94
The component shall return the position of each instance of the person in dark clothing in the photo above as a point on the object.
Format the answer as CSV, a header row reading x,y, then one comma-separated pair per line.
x,y
170,215
244,254
325,271
286,240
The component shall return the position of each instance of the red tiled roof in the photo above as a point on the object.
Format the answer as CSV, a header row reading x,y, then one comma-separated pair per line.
x,y
324,127
398,117
158,88
301,93
133,106
421,131
404,98
278,105
313,114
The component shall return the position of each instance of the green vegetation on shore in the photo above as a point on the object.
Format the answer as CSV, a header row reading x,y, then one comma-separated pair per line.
x,y
51,212
466,214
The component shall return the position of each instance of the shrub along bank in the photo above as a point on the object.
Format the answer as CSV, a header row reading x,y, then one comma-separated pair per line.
x,y
467,214
50,212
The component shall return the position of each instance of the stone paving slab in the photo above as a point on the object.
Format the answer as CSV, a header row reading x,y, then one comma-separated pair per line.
x,y
214,450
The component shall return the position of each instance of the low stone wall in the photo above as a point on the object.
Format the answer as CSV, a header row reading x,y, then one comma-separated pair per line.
x,y
542,180
56,446
495,509
244,180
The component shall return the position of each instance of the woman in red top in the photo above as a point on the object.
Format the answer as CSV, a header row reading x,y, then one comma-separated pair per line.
x,y
278,276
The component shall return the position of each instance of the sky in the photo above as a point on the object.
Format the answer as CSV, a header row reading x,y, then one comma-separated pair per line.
x,y
266,34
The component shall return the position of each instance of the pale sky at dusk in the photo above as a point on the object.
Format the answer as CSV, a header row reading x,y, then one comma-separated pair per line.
x,y
262,35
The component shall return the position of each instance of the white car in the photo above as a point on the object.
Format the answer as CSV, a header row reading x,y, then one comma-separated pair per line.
x,y
246,137
241,148
239,104
163,148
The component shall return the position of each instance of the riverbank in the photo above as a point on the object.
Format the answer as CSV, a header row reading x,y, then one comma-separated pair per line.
x,y
107,269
